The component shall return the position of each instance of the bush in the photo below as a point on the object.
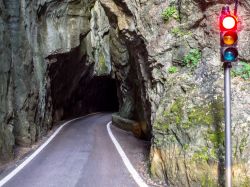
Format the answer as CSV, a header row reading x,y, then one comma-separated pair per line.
x,y
170,12
172,70
242,71
192,59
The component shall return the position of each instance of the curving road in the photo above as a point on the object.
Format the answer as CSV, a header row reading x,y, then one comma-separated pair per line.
x,y
81,155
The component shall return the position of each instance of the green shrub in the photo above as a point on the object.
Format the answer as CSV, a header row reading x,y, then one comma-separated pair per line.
x,y
172,70
170,12
192,59
242,71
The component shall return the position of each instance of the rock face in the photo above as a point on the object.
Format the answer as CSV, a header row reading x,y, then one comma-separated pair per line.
x,y
6,108
166,67
25,115
180,77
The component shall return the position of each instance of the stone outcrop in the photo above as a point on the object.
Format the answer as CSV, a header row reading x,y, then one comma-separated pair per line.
x,y
6,108
167,69
183,101
25,115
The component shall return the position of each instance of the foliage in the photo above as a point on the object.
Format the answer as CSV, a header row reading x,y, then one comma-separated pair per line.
x,y
172,69
202,154
170,12
242,71
192,59
207,181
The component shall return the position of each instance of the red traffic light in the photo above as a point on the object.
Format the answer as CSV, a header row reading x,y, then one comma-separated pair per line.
x,y
229,22
228,35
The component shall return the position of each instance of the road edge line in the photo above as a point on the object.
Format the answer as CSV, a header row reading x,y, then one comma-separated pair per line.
x,y
125,159
33,155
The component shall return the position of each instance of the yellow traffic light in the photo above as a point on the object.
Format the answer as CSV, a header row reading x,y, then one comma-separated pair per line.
x,y
229,38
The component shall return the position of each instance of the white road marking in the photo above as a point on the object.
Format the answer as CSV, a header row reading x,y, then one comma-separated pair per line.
x,y
125,159
33,155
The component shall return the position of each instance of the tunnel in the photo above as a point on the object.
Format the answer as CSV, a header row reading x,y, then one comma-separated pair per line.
x,y
76,90
97,95
102,74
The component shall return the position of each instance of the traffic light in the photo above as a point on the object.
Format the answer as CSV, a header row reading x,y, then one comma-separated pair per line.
x,y
228,35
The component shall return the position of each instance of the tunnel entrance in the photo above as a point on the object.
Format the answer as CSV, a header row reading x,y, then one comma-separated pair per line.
x,y
97,95
75,90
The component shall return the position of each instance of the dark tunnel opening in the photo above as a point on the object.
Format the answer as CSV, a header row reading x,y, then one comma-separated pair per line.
x,y
76,90
97,95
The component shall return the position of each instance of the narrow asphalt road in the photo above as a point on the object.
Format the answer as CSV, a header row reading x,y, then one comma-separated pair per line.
x,y
81,155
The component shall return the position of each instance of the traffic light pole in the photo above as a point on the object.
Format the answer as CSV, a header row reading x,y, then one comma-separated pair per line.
x,y
229,54
227,96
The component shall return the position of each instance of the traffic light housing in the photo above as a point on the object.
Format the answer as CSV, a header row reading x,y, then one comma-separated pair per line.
x,y
228,36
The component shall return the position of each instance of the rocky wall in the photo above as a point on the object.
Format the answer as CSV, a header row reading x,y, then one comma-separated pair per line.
x,y
6,90
167,68
51,50
32,31
24,116
181,78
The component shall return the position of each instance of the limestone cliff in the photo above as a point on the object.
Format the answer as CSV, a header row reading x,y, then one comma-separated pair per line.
x,y
182,79
164,56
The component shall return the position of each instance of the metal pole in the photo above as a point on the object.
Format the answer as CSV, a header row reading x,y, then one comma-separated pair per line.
x,y
227,96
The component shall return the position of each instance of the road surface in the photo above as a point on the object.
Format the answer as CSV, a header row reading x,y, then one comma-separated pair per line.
x,y
81,155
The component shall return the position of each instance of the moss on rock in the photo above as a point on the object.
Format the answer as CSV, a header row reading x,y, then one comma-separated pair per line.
x,y
196,131
101,65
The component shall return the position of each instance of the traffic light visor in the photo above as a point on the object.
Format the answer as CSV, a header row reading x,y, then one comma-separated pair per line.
x,y
230,38
229,22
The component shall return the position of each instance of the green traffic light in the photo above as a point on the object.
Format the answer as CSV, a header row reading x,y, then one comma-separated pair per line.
x,y
230,54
